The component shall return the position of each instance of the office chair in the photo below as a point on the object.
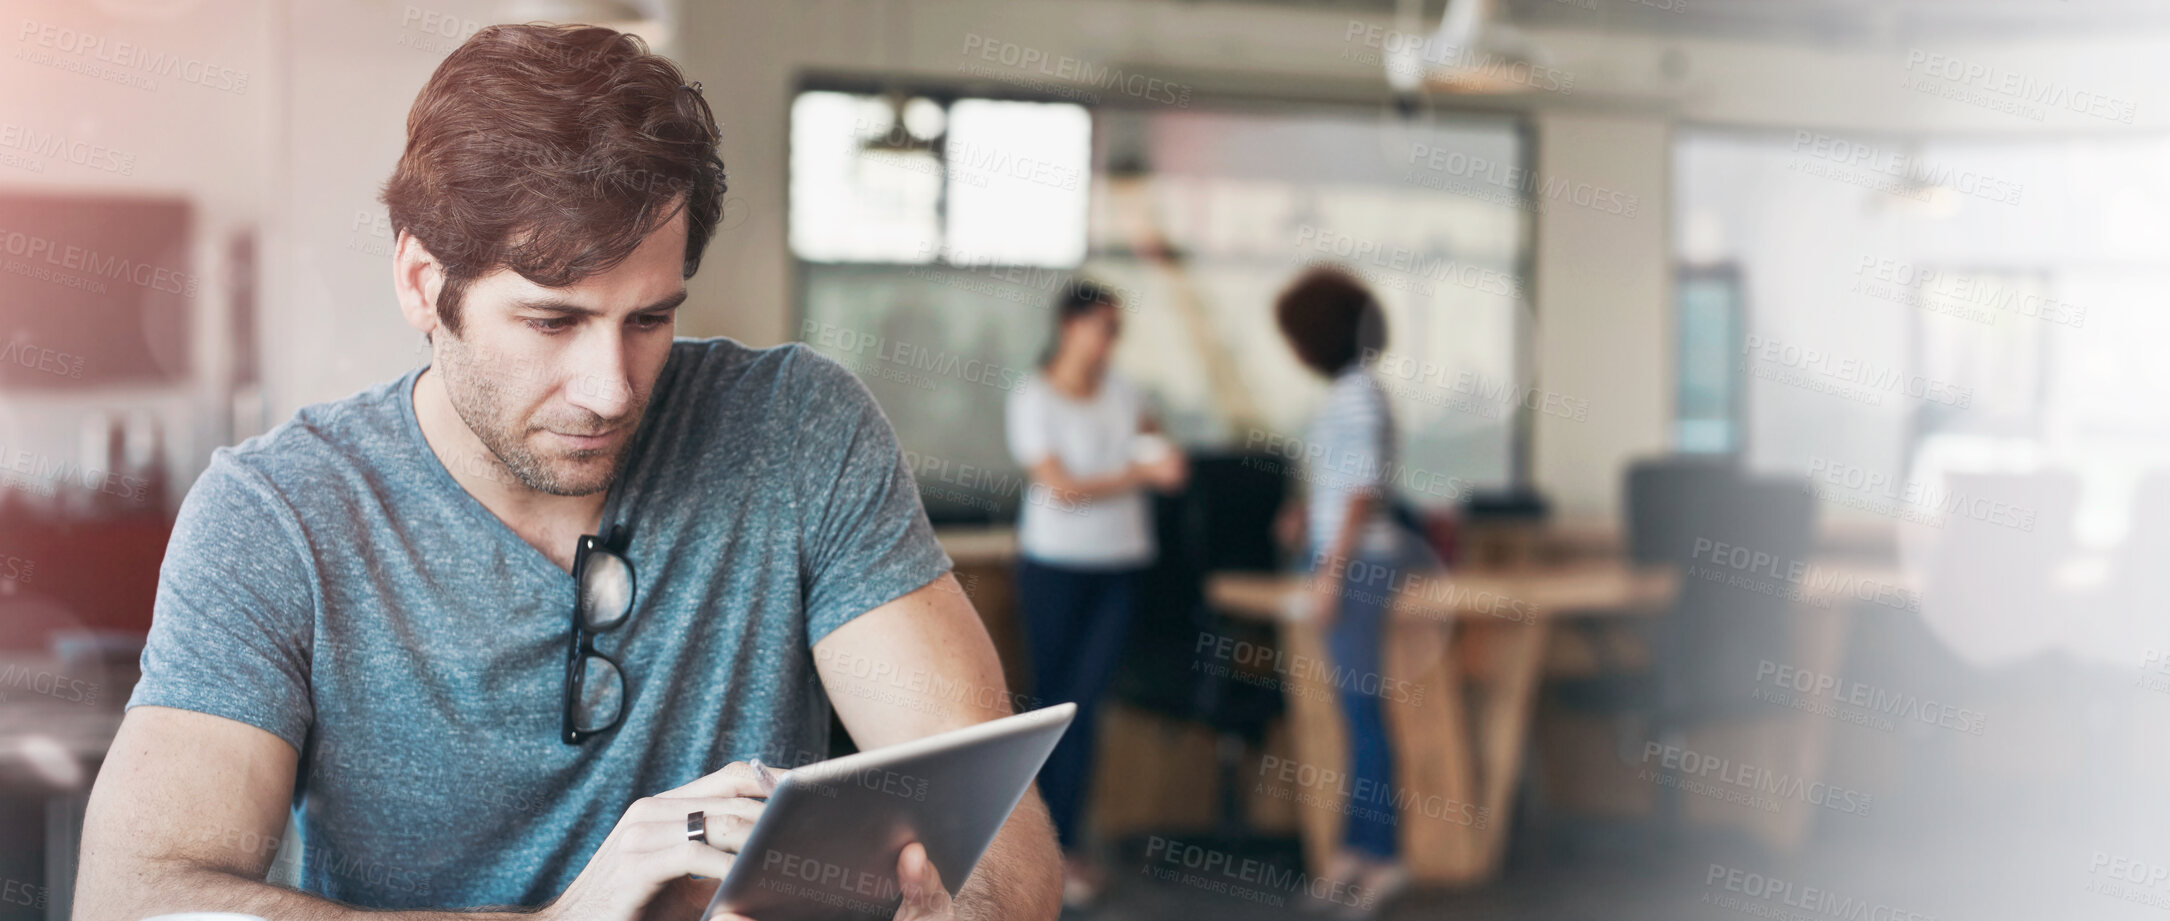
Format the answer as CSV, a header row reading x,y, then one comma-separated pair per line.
x,y
1223,521
1705,648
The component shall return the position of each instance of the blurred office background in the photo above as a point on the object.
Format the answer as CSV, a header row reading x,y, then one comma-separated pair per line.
x,y
1782,378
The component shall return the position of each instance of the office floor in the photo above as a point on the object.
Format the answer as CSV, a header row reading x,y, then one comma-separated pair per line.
x,y
1616,890
1626,898
1968,868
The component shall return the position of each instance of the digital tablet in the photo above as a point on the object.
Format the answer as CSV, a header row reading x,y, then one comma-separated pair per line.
x,y
827,844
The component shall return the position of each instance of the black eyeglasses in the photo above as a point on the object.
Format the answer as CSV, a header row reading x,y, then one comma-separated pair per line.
x,y
602,600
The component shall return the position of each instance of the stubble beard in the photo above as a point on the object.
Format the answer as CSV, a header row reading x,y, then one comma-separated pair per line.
x,y
479,401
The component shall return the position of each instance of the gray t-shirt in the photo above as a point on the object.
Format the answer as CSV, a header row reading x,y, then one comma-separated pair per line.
x,y
331,583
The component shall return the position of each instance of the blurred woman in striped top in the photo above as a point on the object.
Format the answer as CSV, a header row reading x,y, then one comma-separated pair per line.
x,y
1355,551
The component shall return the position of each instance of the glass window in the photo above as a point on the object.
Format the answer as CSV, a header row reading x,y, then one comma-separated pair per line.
x,y
1209,214
1709,390
1923,308
936,283
860,190
906,179
1019,175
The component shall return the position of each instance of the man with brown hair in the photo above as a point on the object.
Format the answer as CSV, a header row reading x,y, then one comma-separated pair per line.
x,y
487,631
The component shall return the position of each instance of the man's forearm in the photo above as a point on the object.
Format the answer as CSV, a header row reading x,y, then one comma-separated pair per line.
x,y
1020,876
163,890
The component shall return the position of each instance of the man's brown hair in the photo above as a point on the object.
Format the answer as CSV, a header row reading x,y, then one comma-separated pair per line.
x,y
1330,319
553,151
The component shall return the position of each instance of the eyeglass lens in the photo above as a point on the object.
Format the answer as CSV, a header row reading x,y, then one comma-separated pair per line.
x,y
602,693
605,599
606,591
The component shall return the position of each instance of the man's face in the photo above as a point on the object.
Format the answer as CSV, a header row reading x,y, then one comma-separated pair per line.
x,y
554,380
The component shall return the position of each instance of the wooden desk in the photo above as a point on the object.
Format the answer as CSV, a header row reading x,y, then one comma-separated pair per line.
x,y
979,545
1604,588
1475,645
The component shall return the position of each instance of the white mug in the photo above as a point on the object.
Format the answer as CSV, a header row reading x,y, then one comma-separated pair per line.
x,y
1149,449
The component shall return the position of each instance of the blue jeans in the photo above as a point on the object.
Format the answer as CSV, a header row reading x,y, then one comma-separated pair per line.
x,y
1354,643
1075,621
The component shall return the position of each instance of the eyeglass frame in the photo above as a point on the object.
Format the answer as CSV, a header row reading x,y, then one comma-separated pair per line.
x,y
581,641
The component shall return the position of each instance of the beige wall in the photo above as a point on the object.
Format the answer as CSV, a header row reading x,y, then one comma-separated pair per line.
x,y
207,140
1604,330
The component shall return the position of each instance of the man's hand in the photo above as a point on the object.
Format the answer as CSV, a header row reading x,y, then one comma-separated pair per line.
x,y
933,637
1167,473
648,855
683,899
925,898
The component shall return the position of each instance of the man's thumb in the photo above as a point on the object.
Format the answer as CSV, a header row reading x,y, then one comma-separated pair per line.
x,y
924,894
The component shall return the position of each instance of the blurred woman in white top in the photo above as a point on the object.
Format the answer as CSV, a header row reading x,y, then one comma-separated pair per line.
x,y
1085,533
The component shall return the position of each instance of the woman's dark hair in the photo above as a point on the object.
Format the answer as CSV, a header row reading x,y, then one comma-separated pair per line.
x,y
553,151
1330,319
1078,298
